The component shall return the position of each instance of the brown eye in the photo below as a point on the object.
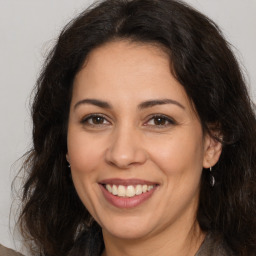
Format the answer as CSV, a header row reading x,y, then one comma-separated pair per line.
x,y
159,121
95,120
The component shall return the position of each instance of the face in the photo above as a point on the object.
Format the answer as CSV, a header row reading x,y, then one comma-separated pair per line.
x,y
135,145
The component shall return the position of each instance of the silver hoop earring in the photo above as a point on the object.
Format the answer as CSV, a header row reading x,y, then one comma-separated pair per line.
x,y
212,179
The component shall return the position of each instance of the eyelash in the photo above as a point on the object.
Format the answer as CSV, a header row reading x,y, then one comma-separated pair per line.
x,y
85,120
164,118
170,121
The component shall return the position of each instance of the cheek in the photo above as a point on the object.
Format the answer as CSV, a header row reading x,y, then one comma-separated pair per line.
x,y
84,152
178,155
84,155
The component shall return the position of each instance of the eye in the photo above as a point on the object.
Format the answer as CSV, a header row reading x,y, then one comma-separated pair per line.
x,y
160,121
95,120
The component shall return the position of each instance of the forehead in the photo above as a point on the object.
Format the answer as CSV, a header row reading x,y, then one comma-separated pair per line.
x,y
133,47
127,56
128,69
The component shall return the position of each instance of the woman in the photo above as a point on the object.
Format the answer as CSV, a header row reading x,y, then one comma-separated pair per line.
x,y
143,138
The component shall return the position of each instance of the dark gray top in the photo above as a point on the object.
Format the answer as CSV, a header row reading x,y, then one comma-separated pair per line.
x,y
8,252
213,247
210,247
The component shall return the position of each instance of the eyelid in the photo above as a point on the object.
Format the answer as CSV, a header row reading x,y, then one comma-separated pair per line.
x,y
87,117
169,119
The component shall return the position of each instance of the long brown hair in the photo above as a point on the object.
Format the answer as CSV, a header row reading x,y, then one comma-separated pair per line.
x,y
53,218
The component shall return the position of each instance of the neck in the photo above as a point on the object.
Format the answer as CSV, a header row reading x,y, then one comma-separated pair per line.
x,y
185,242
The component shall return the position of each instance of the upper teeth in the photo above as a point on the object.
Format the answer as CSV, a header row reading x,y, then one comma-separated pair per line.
x,y
128,191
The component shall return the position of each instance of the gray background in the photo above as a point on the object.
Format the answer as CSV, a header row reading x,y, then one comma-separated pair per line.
x,y
28,29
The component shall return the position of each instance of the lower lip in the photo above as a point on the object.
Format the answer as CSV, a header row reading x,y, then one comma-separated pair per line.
x,y
126,202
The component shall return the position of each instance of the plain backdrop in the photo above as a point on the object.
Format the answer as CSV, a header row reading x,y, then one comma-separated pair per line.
x,y
29,28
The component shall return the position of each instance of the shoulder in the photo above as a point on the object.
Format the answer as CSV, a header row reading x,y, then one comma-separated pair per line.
x,y
213,247
8,252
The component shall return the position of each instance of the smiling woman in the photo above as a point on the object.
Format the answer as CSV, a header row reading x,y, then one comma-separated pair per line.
x,y
144,150
139,146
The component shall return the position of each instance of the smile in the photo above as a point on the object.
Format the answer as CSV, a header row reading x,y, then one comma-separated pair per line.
x,y
128,191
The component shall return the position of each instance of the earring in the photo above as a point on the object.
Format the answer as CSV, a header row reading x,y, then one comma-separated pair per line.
x,y
69,172
212,179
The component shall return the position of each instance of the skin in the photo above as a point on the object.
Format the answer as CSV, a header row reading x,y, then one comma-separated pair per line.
x,y
128,142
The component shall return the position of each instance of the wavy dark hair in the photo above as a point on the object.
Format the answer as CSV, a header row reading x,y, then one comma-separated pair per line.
x,y
52,217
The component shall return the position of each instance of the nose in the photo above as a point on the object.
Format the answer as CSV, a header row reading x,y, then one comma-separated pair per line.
x,y
126,149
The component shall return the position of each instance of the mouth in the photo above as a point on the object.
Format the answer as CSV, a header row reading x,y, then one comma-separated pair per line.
x,y
127,193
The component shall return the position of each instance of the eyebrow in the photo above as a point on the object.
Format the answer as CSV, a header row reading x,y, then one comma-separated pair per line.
x,y
152,103
143,105
98,103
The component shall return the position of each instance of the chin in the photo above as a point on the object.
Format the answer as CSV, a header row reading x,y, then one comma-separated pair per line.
x,y
127,230
127,233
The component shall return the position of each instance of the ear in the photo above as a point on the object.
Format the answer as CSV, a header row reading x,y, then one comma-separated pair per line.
x,y
67,157
212,151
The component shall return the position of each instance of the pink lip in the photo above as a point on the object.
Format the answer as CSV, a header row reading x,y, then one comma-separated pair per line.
x,y
126,202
